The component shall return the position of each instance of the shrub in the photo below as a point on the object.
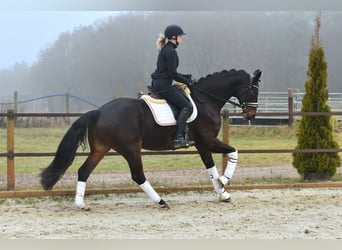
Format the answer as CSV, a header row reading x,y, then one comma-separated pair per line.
x,y
316,132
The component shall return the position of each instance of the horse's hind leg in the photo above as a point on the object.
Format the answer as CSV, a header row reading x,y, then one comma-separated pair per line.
x,y
137,173
83,174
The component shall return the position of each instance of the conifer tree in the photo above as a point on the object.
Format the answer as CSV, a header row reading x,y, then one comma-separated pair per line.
x,y
316,132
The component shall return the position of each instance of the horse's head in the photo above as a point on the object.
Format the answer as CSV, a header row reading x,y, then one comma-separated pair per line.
x,y
248,96
221,86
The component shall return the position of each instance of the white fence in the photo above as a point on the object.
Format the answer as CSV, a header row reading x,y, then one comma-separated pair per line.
x,y
55,103
279,102
61,103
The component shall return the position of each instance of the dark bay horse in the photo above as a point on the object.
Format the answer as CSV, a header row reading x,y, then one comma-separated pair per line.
x,y
126,125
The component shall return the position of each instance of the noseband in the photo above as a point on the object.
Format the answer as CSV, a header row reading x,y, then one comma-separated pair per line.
x,y
246,103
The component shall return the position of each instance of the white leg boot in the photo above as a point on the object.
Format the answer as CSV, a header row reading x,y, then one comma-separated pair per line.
x,y
223,194
149,190
230,169
79,198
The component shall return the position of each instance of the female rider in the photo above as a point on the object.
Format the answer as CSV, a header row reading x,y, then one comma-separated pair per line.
x,y
163,77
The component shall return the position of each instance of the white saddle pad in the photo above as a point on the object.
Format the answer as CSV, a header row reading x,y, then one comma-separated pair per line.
x,y
162,111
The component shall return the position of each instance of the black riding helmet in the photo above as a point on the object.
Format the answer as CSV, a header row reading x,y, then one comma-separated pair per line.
x,y
173,30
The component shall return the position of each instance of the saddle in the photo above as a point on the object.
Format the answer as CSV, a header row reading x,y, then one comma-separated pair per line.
x,y
163,112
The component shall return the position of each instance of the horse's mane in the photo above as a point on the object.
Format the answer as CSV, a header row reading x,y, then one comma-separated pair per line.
x,y
220,74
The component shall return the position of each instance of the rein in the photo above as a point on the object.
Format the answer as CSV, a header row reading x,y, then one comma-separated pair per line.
x,y
208,94
244,105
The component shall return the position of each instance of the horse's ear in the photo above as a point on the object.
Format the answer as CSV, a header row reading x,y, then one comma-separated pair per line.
x,y
257,75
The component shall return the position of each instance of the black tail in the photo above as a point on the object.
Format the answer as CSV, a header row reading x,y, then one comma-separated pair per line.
x,y
74,137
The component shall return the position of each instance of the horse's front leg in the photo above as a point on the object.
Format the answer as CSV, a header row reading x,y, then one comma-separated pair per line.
x,y
216,146
209,163
230,169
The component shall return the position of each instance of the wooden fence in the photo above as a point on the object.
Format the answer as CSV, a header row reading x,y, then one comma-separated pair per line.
x,y
11,155
69,103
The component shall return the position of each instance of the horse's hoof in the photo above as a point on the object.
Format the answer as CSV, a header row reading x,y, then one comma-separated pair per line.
x,y
226,200
79,204
85,208
82,206
163,204
224,197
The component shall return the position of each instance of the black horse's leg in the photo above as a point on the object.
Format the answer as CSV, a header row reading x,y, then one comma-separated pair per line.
x,y
216,146
137,173
209,163
83,175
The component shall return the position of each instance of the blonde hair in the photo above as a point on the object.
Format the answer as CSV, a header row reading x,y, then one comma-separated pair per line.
x,y
160,41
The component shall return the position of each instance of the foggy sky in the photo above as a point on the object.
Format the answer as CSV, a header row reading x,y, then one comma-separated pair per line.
x,y
25,33
32,25
276,42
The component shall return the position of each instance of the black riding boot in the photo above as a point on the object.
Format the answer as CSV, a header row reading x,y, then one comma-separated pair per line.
x,y
181,138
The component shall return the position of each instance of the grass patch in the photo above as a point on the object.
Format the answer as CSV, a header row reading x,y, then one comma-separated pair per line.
x,y
265,180
337,178
29,140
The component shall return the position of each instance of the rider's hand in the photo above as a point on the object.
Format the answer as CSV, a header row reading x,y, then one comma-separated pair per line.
x,y
190,82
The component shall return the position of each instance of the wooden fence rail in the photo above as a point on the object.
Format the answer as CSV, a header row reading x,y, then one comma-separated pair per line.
x,y
11,155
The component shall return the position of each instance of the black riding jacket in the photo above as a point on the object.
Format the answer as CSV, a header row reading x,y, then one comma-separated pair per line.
x,y
167,64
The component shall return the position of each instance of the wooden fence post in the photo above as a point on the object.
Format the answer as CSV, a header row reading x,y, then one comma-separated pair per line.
x,y
10,150
290,96
67,103
225,135
15,97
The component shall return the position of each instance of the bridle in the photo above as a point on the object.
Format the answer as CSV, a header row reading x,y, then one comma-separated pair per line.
x,y
244,105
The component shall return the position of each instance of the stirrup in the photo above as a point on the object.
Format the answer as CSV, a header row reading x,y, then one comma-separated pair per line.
x,y
180,143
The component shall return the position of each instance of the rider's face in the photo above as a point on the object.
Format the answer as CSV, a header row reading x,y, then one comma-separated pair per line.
x,y
179,39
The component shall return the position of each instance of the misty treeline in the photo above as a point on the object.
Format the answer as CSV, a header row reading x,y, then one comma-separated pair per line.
x,y
115,56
